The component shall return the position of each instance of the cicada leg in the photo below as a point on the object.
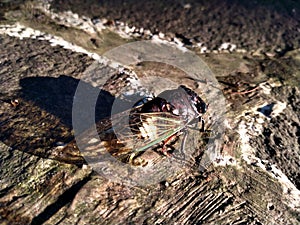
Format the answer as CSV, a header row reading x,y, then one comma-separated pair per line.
x,y
135,160
167,143
202,125
181,155
185,135
131,158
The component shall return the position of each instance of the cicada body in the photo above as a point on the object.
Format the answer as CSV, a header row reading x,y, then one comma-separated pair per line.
x,y
154,124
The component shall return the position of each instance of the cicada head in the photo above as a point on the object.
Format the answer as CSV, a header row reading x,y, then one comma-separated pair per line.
x,y
195,100
185,103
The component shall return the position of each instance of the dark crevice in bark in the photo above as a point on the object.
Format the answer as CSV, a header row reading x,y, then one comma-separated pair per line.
x,y
63,200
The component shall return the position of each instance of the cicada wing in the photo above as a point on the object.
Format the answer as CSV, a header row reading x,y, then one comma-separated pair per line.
x,y
125,133
91,143
145,130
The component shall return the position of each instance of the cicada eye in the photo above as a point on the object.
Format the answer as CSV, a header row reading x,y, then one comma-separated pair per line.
x,y
202,107
195,99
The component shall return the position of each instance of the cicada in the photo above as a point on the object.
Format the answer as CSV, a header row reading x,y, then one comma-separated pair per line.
x,y
154,123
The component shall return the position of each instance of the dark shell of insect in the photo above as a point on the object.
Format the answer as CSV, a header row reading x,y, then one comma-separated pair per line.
x,y
156,122
181,102
185,102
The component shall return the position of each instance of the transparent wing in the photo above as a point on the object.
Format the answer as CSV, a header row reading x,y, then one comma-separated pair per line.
x,y
144,130
124,134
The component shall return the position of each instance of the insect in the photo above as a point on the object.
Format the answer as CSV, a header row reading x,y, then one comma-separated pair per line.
x,y
151,124
161,119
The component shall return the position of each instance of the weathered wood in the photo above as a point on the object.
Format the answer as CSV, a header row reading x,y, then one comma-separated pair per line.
x,y
42,184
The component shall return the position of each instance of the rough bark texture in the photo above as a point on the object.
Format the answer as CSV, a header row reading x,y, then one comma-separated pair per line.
x,y
211,22
41,184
